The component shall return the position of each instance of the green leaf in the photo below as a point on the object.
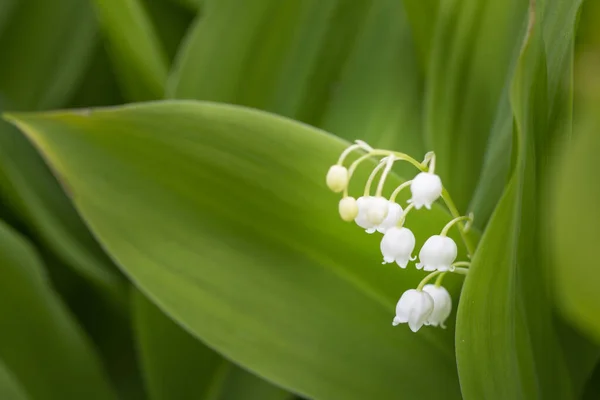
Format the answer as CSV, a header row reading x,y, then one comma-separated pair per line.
x,y
278,56
179,366
137,53
470,66
575,221
171,22
378,94
30,192
39,341
224,221
508,339
10,387
352,70
45,51
422,16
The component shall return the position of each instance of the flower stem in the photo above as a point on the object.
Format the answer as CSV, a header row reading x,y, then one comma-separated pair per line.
x,y
462,264
438,281
461,227
379,166
404,214
427,279
399,189
388,167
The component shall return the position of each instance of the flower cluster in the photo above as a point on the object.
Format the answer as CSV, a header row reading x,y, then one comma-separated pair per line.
x,y
428,304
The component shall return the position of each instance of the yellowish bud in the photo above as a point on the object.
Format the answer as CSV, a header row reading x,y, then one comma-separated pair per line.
x,y
348,208
337,178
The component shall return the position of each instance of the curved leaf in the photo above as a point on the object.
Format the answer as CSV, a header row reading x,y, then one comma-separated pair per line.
x,y
474,49
508,339
39,341
140,62
224,221
10,387
574,238
31,192
179,366
45,50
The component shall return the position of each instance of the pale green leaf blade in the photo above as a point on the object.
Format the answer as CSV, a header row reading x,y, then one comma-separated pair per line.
x,y
45,51
508,339
34,197
278,56
576,221
39,341
10,387
225,222
139,59
378,94
470,66
179,366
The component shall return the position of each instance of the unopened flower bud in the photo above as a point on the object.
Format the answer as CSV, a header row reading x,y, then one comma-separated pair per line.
x,y
337,178
348,208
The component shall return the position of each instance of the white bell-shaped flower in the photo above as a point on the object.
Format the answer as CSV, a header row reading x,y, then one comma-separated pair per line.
x,y
442,305
377,210
426,188
348,208
415,307
397,245
337,178
438,253
363,203
393,216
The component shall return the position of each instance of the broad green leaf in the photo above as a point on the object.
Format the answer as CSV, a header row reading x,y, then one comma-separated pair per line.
x,y
224,222
171,22
508,339
378,94
99,86
348,67
470,64
29,190
575,215
179,366
10,387
558,40
137,53
279,56
45,51
422,16
7,7
40,343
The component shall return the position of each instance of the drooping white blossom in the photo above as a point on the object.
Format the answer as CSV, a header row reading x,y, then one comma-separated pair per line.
x,y
442,305
397,246
414,307
337,178
361,219
438,253
377,210
426,188
348,208
393,216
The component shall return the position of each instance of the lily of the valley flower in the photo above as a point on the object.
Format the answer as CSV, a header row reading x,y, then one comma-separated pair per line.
x,y
348,208
414,307
397,245
361,219
426,188
377,213
393,216
442,305
377,210
337,178
438,253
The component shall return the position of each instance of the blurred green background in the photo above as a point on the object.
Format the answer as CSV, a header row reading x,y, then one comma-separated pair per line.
x,y
190,250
